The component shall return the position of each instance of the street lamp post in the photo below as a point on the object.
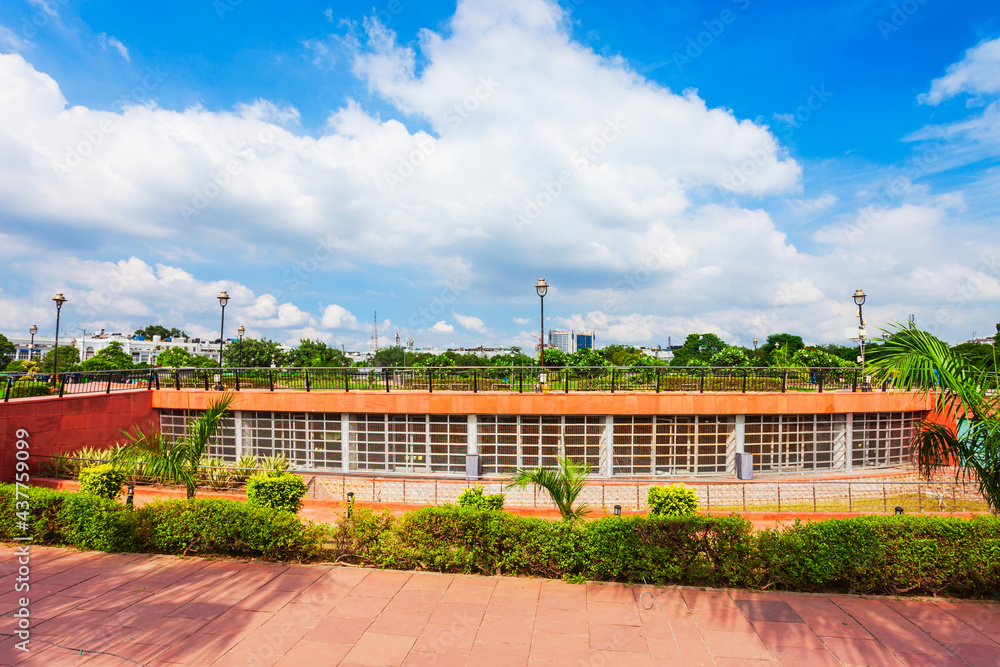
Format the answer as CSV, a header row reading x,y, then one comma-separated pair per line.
x,y
541,287
239,354
755,347
859,300
31,348
60,300
223,300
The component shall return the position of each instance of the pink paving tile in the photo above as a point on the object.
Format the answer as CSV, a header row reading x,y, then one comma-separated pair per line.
x,y
239,659
556,647
307,653
140,615
327,593
168,631
52,606
138,652
359,607
617,593
613,613
940,624
334,630
519,588
721,619
401,622
71,621
376,649
466,594
506,630
860,651
925,660
381,584
620,659
793,656
708,599
428,581
203,610
177,594
271,600
736,645
199,648
743,662
450,639
97,637
626,638
787,634
561,621
976,655
420,659
500,655
290,582
457,614
892,630
302,615
414,600
270,640
236,623
767,610
984,617
115,601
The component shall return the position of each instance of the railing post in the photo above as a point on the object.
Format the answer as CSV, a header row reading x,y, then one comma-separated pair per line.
x,y
205,375
177,380
385,376
658,374
308,388
110,377
784,381
612,379
7,390
150,383
745,374
430,381
157,376
520,381
475,382
820,376
347,382
270,379
854,385
566,371
701,389
237,373
62,386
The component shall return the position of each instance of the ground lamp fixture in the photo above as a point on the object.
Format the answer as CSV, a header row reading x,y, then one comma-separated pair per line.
x,y
899,511
31,348
223,300
239,354
541,287
60,300
859,299
350,503
618,510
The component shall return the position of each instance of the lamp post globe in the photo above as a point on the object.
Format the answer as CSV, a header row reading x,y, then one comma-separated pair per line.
x,y
223,300
31,348
60,300
541,287
859,300
239,358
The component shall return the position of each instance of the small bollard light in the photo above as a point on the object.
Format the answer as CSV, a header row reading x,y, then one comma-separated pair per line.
x,y
618,510
130,495
899,511
350,503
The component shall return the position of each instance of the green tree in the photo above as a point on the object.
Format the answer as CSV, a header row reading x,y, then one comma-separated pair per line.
x,y
698,350
622,355
112,357
176,460
317,354
68,359
817,357
847,353
781,344
587,358
253,353
914,360
555,358
564,484
161,331
178,357
7,348
731,356
977,354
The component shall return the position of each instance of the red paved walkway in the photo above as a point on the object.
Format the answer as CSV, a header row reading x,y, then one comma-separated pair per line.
x,y
160,610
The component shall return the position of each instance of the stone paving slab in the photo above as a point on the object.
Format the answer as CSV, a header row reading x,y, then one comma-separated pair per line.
x,y
116,610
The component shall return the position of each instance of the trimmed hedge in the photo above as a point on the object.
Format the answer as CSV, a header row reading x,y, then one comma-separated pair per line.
x,y
673,500
872,554
277,490
198,526
104,480
474,496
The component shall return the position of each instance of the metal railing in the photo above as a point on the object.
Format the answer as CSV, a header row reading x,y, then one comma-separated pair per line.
x,y
514,379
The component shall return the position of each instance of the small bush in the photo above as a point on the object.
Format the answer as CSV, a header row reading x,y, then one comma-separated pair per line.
x,y
280,491
214,473
276,463
673,500
26,388
243,468
104,481
475,497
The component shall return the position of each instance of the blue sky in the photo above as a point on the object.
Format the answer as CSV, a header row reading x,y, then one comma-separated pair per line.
x,y
736,166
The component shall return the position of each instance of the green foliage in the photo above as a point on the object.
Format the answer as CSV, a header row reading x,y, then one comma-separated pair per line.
x,y
622,355
673,500
110,358
253,353
161,331
243,468
15,366
68,465
178,357
275,463
104,481
555,358
730,356
475,497
697,350
68,359
564,484
24,388
817,357
7,348
215,473
914,360
277,490
318,355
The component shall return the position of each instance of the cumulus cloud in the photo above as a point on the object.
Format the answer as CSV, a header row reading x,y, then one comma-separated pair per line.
x,y
977,73
338,317
522,320
471,323
442,327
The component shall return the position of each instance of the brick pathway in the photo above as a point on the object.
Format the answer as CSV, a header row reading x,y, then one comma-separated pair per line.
x,y
160,610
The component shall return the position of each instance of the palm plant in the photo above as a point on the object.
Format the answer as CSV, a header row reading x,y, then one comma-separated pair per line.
x,y
564,483
177,460
968,396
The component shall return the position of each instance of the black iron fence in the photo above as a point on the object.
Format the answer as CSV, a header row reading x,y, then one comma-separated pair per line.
x,y
473,379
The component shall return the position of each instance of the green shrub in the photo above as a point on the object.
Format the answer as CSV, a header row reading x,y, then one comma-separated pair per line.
x,y
474,497
276,463
104,481
280,491
673,500
214,473
25,388
244,467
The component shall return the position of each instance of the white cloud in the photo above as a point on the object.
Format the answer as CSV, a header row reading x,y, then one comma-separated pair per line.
x,y
522,320
810,206
471,323
977,73
442,327
338,317
10,41
106,40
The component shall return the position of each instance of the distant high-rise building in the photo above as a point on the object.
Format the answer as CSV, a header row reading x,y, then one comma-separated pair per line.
x,y
571,341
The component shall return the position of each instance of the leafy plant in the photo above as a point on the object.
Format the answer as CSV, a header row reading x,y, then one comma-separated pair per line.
x,y
104,481
277,490
912,359
176,460
275,463
245,466
215,473
673,500
564,484
474,496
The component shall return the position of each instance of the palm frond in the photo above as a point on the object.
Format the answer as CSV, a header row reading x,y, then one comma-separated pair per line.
x,y
564,484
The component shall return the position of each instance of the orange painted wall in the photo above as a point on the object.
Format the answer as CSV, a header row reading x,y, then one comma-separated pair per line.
x,y
62,424
675,403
